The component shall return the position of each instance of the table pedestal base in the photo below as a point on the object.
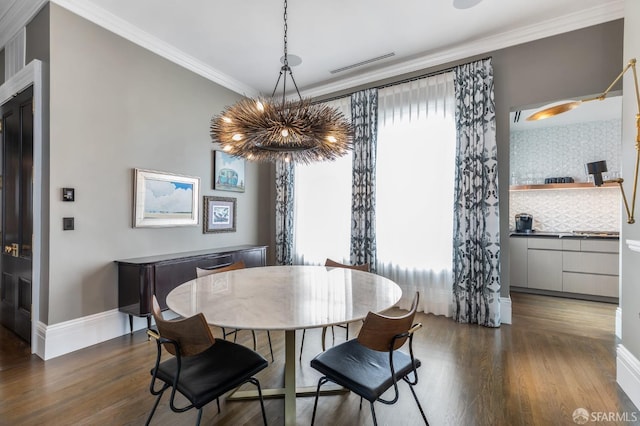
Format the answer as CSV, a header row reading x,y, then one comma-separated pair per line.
x,y
290,391
280,392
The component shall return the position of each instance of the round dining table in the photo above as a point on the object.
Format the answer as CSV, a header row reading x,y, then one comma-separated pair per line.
x,y
285,298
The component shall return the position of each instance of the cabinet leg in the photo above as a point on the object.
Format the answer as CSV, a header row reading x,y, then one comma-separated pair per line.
x,y
130,324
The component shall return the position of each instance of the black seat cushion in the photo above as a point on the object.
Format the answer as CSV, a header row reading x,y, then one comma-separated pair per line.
x,y
211,373
362,370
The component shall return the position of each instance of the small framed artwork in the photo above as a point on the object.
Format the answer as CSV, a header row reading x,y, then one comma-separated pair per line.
x,y
163,199
219,214
228,172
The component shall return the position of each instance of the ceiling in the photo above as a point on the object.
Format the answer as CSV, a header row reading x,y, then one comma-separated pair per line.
x,y
609,108
239,43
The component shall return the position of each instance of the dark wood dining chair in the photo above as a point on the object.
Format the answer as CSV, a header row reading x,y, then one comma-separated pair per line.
x,y
333,264
201,272
202,367
373,362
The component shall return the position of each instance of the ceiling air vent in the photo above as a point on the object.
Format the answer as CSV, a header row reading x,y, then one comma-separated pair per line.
x,y
365,62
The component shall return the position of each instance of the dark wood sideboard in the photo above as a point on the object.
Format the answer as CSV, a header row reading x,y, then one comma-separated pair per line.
x,y
142,277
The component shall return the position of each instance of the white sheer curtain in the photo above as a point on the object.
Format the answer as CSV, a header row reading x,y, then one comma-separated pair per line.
x,y
322,206
415,182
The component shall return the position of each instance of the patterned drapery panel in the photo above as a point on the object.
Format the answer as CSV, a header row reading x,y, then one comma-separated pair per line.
x,y
364,117
284,213
476,233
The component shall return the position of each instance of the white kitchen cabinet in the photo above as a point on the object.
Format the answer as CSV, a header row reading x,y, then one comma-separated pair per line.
x,y
553,243
603,246
593,269
544,269
518,248
590,262
599,285
586,266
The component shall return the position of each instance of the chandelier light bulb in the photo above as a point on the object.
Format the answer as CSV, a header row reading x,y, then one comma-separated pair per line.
x,y
260,106
284,133
226,148
332,139
226,119
237,137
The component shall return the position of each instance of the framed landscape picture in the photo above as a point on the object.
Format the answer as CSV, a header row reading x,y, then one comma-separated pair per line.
x,y
219,214
163,199
228,172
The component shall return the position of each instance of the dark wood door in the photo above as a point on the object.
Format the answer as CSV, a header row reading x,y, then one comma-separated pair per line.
x,y
17,213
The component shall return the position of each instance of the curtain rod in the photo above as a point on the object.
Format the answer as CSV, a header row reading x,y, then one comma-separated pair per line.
x,y
405,80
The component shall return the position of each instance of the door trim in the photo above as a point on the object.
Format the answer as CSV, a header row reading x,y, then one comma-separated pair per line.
x,y
35,73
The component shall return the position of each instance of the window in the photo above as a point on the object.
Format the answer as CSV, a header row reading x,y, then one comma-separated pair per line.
x,y
322,211
415,173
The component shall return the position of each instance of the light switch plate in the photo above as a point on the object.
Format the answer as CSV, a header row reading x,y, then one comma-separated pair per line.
x,y
68,194
68,224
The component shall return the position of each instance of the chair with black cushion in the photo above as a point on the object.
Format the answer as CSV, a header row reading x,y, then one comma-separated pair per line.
x,y
201,272
373,362
202,368
333,264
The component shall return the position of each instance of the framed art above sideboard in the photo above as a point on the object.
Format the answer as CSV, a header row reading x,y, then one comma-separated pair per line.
x,y
162,199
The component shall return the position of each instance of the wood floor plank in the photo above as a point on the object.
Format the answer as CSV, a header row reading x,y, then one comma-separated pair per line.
x,y
557,356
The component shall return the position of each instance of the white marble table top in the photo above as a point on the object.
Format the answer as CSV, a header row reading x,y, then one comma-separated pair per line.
x,y
284,297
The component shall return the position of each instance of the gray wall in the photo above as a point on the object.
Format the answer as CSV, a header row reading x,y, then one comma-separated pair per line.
x,y
115,107
38,37
573,64
2,79
630,291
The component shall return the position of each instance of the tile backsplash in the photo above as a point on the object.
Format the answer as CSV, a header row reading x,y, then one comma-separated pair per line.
x,y
566,210
563,151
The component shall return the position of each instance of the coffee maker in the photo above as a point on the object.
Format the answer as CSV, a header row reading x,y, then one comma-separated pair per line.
x,y
524,222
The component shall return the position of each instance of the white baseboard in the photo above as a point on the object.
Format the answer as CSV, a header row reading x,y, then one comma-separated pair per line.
x,y
619,322
628,374
505,310
65,337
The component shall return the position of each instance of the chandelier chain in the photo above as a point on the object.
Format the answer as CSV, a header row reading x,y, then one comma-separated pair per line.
x,y
286,61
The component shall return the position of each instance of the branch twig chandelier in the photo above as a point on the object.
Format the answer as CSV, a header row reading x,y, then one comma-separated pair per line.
x,y
270,129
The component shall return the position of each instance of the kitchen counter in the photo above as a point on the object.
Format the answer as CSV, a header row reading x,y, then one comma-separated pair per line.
x,y
604,235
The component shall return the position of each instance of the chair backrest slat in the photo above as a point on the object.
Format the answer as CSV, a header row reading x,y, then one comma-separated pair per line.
x,y
201,272
193,333
332,263
378,330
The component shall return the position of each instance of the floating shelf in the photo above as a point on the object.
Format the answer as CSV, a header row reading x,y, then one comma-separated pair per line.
x,y
546,186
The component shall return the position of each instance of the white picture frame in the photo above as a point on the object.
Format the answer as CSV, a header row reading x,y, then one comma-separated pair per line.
x,y
162,199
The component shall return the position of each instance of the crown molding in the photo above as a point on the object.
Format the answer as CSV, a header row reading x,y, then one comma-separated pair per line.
x,y
605,12
18,16
145,40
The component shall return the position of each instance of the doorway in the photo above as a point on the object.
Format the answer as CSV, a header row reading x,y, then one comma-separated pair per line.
x,y
35,75
17,214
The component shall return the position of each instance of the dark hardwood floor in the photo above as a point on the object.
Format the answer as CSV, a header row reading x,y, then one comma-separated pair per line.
x,y
556,357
